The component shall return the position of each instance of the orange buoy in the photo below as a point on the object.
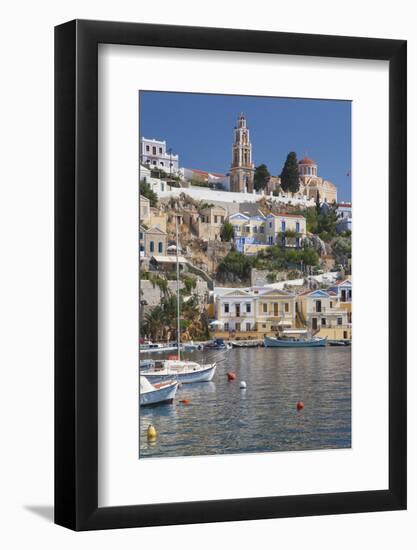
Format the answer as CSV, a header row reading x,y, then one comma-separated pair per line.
x,y
231,376
300,405
184,401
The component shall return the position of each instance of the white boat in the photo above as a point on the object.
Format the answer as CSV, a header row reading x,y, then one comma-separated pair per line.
x,y
156,394
185,372
146,364
190,346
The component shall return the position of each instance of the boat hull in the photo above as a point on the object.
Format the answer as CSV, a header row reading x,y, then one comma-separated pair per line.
x,y
159,396
157,349
203,375
277,343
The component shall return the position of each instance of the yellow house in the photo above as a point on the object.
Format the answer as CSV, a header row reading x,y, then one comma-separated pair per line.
x,y
275,311
277,225
321,313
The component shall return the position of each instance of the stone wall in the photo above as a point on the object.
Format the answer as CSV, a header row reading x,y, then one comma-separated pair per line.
x,y
259,277
153,295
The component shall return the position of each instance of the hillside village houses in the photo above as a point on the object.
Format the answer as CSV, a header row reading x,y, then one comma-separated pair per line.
x,y
152,230
207,223
344,213
240,313
152,241
328,311
155,153
239,181
253,313
253,233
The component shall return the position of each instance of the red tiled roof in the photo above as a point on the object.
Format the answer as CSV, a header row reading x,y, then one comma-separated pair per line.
x,y
306,160
202,172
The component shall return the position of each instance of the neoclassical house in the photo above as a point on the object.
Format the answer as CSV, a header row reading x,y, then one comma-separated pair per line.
x,y
252,313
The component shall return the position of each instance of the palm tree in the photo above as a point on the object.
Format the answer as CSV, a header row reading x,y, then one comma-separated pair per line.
x,y
154,323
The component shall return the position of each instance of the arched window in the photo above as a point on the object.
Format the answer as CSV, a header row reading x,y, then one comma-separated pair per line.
x,y
152,246
160,248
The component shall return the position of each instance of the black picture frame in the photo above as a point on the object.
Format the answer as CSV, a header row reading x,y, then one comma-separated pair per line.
x,y
76,272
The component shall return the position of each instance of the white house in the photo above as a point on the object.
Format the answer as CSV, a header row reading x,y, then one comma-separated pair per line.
x,y
157,185
155,153
344,213
236,311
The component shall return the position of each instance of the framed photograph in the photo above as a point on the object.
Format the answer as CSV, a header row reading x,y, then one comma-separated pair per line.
x,y
229,344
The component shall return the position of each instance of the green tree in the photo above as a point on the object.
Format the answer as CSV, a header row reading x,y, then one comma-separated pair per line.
x,y
234,267
153,323
226,232
289,175
146,191
261,177
310,256
318,207
326,222
189,284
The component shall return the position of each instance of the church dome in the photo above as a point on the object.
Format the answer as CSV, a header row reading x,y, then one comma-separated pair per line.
x,y
307,160
307,167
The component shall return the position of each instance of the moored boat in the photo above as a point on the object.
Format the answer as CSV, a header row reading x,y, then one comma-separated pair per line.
x,y
217,344
337,343
151,347
186,372
291,342
191,346
156,394
247,344
146,364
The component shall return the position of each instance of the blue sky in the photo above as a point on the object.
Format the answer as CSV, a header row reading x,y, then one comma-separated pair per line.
x,y
199,127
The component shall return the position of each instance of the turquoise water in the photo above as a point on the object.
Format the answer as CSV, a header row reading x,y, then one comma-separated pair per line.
x,y
222,418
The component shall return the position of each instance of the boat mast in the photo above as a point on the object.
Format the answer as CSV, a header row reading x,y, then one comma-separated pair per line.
x,y
178,290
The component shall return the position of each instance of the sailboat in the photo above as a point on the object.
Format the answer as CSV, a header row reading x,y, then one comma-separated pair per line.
x,y
184,371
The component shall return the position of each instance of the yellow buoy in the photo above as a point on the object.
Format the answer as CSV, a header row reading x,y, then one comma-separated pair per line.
x,y
151,433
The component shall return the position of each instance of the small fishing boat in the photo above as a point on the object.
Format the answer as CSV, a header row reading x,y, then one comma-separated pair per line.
x,y
218,344
156,394
247,344
151,347
190,346
291,342
186,372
